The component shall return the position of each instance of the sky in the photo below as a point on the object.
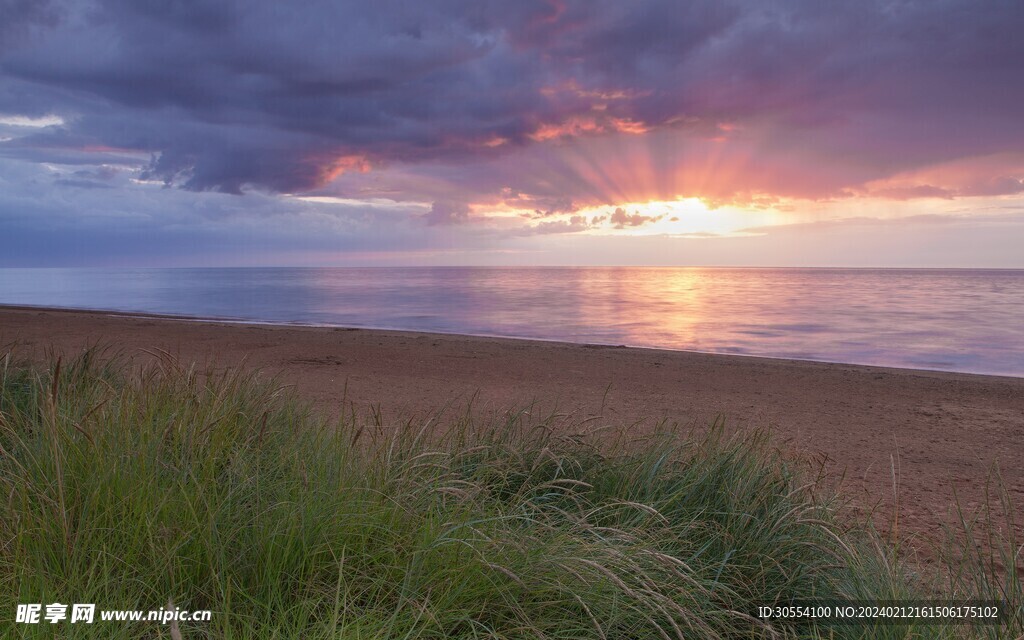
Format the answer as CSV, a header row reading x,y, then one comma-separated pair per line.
x,y
490,132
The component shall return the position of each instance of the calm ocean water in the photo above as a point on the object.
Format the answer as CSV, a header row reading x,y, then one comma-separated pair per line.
x,y
960,320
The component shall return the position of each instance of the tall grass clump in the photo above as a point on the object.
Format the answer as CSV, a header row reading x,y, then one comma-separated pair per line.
x,y
985,558
130,485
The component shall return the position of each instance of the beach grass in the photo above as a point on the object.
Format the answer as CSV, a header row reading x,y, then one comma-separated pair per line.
x,y
131,485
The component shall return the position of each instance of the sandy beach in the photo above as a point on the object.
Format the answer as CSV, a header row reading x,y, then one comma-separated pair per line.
x,y
941,431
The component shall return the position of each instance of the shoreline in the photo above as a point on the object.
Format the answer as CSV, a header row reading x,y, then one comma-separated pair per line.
x,y
230,321
940,431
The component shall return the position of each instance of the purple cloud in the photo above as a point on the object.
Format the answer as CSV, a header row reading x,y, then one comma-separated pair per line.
x,y
802,99
442,213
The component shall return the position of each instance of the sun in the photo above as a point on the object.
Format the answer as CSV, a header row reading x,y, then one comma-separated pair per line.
x,y
685,217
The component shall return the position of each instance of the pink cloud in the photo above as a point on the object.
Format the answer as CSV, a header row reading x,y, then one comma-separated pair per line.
x,y
991,175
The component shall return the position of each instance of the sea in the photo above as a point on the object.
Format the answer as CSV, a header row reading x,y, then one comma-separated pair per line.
x,y
967,320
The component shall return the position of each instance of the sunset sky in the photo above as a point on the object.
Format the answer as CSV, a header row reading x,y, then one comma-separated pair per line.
x,y
547,132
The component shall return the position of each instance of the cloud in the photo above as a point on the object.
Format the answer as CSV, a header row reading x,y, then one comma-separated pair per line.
x,y
620,219
231,96
445,213
56,215
997,186
476,125
574,224
914,191
1008,220
999,174
22,18
28,121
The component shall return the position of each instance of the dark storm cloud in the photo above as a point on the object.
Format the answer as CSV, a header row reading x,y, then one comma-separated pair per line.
x,y
262,94
21,18
54,215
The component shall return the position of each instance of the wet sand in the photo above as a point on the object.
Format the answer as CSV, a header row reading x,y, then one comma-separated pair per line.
x,y
939,430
